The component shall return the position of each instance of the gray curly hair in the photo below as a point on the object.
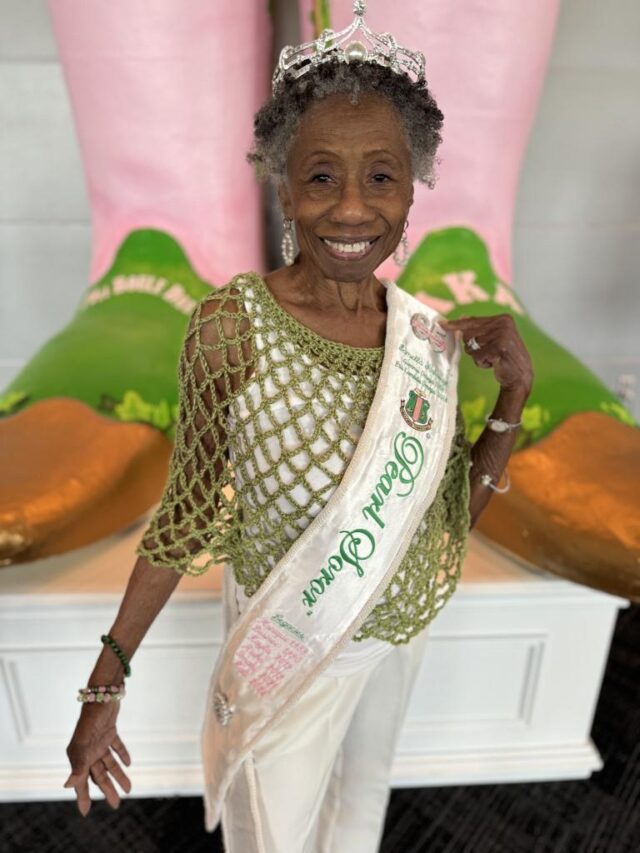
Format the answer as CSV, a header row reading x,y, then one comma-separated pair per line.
x,y
276,121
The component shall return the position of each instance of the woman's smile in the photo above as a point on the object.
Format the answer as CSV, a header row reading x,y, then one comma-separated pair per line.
x,y
348,250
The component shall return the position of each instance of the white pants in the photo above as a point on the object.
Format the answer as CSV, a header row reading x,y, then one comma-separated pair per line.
x,y
318,781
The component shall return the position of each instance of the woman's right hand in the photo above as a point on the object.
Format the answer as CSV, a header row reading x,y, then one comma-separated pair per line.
x,y
90,754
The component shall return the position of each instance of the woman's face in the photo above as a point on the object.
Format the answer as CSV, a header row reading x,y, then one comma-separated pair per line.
x,y
349,186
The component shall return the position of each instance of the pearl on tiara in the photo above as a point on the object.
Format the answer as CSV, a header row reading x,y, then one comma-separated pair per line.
x,y
379,49
356,50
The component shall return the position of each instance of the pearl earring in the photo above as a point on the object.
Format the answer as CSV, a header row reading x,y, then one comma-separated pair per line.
x,y
288,248
401,258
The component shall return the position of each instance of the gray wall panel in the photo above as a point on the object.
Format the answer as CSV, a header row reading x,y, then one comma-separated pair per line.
x,y
596,34
25,30
582,163
41,175
43,272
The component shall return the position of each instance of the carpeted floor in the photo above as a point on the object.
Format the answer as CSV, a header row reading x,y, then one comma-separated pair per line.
x,y
597,815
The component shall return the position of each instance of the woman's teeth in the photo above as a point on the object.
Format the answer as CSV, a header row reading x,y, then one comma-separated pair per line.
x,y
349,248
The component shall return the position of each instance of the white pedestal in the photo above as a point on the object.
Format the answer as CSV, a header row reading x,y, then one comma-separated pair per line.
x,y
506,692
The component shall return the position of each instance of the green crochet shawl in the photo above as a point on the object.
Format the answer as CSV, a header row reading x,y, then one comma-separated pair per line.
x,y
270,413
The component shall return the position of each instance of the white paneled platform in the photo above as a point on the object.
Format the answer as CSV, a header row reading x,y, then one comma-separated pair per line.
x,y
506,692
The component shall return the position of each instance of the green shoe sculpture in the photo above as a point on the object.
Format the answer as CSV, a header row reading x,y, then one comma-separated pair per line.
x,y
86,427
573,507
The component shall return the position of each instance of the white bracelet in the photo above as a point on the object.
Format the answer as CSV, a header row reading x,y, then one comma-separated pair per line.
x,y
498,425
487,480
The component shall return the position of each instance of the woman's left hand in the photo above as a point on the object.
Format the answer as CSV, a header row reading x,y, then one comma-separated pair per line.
x,y
501,348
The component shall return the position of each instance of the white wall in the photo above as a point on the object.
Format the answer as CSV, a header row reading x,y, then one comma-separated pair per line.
x,y
576,239
44,214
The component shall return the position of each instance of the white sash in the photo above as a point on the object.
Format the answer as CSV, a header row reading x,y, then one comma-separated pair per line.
x,y
318,595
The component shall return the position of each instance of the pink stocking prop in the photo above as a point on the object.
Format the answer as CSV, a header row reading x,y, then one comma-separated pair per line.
x,y
163,97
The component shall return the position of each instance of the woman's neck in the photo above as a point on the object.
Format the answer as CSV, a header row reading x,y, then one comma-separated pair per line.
x,y
354,313
315,290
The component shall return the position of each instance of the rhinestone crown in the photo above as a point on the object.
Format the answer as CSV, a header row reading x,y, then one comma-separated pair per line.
x,y
378,48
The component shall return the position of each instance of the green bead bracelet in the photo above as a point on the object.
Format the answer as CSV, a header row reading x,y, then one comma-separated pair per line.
x,y
109,641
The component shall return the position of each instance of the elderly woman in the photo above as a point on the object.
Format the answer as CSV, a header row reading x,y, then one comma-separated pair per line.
x,y
335,561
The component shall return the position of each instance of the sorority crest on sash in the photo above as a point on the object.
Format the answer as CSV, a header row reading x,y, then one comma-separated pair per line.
x,y
415,410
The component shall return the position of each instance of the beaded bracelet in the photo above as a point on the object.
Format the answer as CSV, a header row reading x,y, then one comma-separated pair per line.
x,y
109,641
104,693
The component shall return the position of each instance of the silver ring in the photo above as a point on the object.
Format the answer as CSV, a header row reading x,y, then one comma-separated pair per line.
x,y
473,343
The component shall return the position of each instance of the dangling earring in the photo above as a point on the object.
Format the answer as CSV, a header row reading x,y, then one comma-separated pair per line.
x,y
401,258
288,249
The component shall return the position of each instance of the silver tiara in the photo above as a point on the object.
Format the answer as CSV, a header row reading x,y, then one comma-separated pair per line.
x,y
380,48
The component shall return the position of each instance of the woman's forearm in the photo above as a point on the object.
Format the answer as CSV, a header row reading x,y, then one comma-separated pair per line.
x,y
148,590
491,451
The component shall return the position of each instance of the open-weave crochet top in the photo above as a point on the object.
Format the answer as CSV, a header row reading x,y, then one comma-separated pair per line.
x,y
270,413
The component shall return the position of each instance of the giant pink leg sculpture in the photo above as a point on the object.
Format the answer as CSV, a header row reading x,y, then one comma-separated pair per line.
x,y
163,96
